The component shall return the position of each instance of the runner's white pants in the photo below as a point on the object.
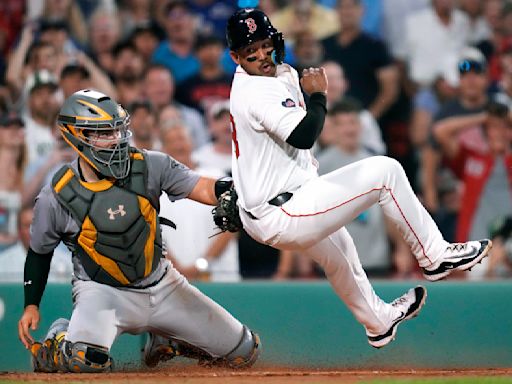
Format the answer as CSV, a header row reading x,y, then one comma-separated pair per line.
x,y
313,221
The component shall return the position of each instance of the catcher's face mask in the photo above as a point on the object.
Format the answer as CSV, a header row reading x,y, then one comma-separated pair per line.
x,y
96,127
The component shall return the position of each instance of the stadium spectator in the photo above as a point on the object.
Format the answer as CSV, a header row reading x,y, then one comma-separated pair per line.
x,y
486,171
394,14
42,107
13,153
212,15
29,56
472,99
177,51
12,15
307,50
159,89
217,153
371,137
84,73
133,13
434,38
212,257
56,32
503,87
372,76
64,10
479,29
39,172
211,83
127,71
73,77
495,13
104,34
145,38
426,104
305,15
143,125
47,52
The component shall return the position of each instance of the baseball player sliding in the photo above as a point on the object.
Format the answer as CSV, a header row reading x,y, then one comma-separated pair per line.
x,y
284,203
104,207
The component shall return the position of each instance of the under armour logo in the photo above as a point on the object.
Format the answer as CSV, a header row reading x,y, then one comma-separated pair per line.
x,y
25,283
251,25
113,214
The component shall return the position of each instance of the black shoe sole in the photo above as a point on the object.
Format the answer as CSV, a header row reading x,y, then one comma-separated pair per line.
x,y
463,265
386,338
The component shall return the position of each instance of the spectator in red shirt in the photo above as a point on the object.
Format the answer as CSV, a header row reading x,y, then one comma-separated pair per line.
x,y
486,171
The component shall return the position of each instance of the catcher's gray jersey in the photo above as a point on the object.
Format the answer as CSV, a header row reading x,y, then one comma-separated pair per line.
x,y
53,223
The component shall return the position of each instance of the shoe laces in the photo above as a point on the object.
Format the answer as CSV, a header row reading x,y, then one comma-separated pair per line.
x,y
457,247
399,301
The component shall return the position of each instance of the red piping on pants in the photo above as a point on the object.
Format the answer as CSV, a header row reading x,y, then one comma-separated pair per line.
x,y
362,194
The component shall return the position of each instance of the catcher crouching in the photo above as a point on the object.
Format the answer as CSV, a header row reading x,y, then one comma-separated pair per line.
x,y
104,206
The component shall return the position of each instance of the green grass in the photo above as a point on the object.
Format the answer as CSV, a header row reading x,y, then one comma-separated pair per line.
x,y
455,380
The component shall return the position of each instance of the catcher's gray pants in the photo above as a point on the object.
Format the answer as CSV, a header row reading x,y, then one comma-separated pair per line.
x,y
172,308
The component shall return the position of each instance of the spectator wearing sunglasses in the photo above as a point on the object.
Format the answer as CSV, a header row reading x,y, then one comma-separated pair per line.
x,y
471,77
486,171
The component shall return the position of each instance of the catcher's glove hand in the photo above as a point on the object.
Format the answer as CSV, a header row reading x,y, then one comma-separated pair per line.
x,y
225,214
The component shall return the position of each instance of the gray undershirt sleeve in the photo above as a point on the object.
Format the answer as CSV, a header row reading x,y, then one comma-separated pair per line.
x,y
169,175
49,223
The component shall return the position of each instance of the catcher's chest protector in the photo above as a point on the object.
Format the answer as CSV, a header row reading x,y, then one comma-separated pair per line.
x,y
119,241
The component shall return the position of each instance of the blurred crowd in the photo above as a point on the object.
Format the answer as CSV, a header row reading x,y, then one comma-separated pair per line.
x,y
427,82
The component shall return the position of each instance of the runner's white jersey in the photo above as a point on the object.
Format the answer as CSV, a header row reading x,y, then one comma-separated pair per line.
x,y
265,111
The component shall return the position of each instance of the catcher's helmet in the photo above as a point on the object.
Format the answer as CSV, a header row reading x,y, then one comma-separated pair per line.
x,y
249,25
85,120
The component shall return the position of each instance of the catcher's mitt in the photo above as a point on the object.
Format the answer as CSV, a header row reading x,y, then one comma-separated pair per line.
x,y
225,214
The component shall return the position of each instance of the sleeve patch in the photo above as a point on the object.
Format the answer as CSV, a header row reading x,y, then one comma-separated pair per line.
x,y
288,103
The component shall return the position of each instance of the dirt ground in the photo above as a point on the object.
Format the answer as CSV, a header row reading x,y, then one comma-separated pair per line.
x,y
198,375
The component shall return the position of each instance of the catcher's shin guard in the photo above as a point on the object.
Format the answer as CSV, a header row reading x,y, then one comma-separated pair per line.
x,y
46,355
86,358
245,354
159,349
55,354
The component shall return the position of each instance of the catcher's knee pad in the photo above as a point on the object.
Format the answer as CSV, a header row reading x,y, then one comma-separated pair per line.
x,y
246,352
87,358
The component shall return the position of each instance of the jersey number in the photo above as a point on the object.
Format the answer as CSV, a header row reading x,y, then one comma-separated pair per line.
x,y
233,136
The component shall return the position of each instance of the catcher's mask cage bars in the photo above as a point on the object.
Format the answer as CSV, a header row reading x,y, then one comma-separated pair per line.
x,y
117,158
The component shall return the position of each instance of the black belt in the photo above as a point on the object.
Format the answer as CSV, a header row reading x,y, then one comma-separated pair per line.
x,y
281,199
276,201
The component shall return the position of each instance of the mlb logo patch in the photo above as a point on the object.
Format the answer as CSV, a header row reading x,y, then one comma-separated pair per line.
x,y
288,103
